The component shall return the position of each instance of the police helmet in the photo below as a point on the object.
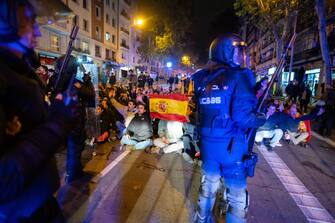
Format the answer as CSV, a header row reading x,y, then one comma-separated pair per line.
x,y
45,11
229,50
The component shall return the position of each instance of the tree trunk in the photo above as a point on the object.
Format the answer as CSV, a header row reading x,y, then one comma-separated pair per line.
x,y
321,12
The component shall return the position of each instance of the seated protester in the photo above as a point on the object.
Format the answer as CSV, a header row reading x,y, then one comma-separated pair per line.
x,y
301,133
170,137
269,130
139,131
190,137
128,112
104,121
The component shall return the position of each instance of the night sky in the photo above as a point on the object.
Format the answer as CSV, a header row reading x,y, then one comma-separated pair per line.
x,y
212,17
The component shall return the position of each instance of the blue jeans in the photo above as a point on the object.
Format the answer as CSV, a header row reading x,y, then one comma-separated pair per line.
x,y
121,127
223,159
138,145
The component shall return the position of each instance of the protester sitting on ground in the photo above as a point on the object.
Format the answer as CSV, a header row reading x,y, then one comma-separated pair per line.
x,y
269,130
190,137
170,137
139,131
104,121
301,133
128,112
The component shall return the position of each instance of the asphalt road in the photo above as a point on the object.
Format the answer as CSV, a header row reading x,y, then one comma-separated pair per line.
x,y
150,188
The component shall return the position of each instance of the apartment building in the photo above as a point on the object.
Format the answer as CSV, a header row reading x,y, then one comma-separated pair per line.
x,y
105,36
307,59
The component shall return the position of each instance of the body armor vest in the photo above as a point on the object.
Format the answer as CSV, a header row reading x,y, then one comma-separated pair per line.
x,y
214,107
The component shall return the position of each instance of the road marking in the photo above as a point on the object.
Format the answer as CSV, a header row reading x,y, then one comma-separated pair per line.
x,y
320,137
305,200
110,166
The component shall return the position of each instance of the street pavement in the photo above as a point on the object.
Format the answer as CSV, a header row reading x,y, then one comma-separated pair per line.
x,y
291,184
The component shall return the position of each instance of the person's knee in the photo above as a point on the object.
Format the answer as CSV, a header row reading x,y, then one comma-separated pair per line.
x,y
279,133
209,186
238,202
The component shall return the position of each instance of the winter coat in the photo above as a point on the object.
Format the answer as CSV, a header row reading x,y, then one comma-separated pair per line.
x,y
140,127
27,164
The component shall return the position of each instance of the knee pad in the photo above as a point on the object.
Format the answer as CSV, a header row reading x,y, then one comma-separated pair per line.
x,y
238,202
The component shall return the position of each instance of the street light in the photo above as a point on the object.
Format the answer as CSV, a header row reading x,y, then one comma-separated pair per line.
x,y
169,64
186,60
138,22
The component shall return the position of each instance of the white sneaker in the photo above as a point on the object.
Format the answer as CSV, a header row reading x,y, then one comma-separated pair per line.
x,y
278,144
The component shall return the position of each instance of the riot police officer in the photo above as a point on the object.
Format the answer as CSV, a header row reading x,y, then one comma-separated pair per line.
x,y
85,96
30,132
226,109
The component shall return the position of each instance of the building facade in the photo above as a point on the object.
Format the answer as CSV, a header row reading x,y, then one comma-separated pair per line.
x,y
307,59
105,38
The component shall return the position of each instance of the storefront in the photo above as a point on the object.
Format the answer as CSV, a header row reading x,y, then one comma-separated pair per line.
x,y
312,78
47,59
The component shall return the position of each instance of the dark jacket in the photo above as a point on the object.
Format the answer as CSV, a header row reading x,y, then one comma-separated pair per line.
x,y
140,127
27,165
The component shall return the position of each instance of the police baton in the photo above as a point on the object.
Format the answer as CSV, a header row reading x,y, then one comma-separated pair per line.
x,y
69,49
252,132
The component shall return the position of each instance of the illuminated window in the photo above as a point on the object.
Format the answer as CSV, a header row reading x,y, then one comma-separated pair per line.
x,y
55,43
108,36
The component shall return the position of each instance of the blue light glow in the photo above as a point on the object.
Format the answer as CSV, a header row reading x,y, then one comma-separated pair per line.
x,y
169,64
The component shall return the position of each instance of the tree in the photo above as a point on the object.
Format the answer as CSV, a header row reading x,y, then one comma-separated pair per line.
x,y
170,23
320,8
275,16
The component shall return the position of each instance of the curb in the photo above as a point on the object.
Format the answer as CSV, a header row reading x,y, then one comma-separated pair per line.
x,y
320,137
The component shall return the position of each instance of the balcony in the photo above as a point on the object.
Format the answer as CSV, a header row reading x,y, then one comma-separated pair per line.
x,y
125,14
124,30
124,45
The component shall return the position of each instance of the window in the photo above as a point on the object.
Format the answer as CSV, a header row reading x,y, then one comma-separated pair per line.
x,y
97,51
75,20
107,53
97,12
85,25
85,4
133,59
113,55
113,5
113,22
97,32
55,43
85,47
107,2
123,57
107,18
113,39
108,36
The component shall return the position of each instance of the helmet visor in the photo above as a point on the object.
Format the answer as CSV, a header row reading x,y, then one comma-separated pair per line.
x,y
240,54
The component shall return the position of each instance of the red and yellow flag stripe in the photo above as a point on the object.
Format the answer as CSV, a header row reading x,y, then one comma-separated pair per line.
x,y
171,107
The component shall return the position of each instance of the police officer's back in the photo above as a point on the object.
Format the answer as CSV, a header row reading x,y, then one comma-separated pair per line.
x,y
227,110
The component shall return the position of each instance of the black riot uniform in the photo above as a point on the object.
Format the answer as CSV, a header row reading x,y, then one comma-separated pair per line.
x,y
226,109
30,132
85,97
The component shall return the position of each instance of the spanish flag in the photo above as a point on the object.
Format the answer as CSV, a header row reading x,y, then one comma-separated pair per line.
x,y
172,107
